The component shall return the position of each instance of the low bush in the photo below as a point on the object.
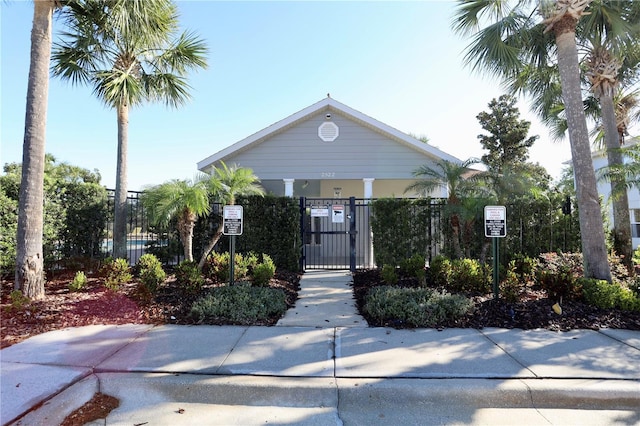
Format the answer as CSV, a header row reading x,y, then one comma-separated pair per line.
x,y
414,307
469,276
79,282
414,267
263,272
189,276
606,295
389,274
512,288
116,272
218,268
241,305
151,273
440,271
19,302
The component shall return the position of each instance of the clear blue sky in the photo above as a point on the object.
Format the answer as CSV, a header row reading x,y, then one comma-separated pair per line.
x,y
398,62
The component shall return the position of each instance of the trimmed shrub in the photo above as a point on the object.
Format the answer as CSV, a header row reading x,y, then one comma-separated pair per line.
x,y
469,276
79,282
441,271
414,267
389,274
116,272
189,277
151,273
413,307
263,272
606,295
511,288
241,305
557,274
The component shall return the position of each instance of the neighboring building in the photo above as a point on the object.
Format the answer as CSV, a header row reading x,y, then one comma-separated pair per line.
x,y
604,189
330,150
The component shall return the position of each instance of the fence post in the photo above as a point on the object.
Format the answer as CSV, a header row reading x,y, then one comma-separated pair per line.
x,y
352,234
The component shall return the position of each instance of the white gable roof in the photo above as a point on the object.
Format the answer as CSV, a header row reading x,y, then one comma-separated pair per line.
x,y
327,104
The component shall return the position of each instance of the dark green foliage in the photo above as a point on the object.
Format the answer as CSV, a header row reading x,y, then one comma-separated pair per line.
x,y
75,213
116,272
189,276
242,305
151,273
8,232
440,271
512,287
401,228
216,267
414,307
79,282
469,276
507,144
414,267
272,226
263,272
607,295
389,274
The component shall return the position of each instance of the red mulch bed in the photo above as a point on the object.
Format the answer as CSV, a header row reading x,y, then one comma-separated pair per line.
x,y
96,304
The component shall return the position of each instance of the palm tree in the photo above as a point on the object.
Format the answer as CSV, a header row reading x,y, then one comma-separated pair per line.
x,y
224,185
29,256
184,200
135,56
608,28
514,37
460,183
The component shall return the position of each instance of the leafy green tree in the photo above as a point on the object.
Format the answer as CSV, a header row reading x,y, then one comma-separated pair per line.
x,y
130,52
224,185
183,200
75,212
507,143
506,36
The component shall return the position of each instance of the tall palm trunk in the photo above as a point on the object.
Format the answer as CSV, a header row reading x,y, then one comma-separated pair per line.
x,y
29,258
603,71
120,208
620,199
594,250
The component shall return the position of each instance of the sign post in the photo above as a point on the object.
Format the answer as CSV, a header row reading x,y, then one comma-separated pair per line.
x,y
495,226
232,225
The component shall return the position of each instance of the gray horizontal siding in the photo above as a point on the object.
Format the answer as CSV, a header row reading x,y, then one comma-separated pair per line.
x,y
358,152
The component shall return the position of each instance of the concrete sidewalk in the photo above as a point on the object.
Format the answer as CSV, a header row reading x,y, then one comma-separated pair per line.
x,y
325,375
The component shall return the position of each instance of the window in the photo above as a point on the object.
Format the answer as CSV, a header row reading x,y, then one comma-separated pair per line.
x,y
635,223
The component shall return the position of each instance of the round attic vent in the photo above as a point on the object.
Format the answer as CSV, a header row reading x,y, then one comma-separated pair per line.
x,y
328,131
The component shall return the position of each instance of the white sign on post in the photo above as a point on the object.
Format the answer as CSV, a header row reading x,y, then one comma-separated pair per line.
x,y
232,220
338,213
495,221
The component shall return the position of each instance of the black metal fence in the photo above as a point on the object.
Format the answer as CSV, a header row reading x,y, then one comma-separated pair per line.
x,y
331,228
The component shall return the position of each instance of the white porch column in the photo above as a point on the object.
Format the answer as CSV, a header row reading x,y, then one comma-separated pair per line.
x,y
368,187
288,187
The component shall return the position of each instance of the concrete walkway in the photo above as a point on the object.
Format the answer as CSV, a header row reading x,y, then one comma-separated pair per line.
x,y
325,299
325,374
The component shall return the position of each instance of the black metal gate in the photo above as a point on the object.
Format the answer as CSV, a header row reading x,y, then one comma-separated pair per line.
x,y
335,233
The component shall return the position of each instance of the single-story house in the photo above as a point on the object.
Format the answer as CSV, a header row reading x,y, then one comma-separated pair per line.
x,y
330,150
604,189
